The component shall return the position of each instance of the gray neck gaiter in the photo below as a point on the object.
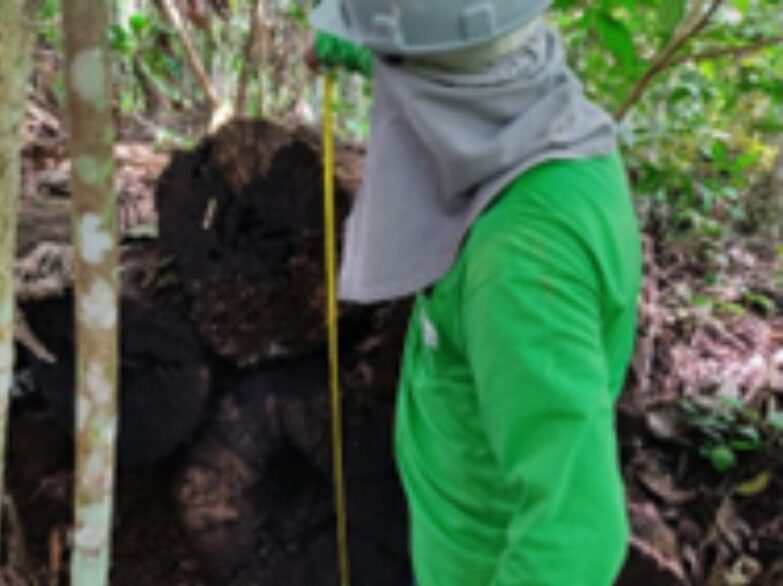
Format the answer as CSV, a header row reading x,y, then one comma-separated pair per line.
x,y
443,145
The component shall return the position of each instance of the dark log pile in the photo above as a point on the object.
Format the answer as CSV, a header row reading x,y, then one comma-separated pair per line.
x,y
236,272
223,315
241,220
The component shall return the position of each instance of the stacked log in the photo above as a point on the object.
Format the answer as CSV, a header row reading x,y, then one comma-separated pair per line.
x,y
164,373
241,217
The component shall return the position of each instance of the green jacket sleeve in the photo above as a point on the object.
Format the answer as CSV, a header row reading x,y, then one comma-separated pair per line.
x,y
335,52
533,338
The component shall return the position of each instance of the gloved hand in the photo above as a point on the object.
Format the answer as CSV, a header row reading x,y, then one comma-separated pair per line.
x,y
330,51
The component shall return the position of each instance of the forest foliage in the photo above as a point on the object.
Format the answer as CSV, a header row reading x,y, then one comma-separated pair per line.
x,y
696,85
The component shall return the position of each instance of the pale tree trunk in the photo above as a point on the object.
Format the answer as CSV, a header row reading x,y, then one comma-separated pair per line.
x,y
220,111
254,53
764,203
776,195
262,27
95,232
16,33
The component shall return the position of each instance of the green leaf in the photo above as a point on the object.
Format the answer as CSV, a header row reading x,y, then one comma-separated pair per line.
x,y
744,446
699,300
120,40
722,458
297,14
730,308
616,37
775,421
760,301
670,13
138,23
754,486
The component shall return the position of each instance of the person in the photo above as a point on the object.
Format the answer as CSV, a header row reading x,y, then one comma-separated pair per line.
x,y
494,191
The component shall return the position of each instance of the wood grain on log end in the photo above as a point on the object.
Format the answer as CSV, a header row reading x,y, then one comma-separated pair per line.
x,y
241,217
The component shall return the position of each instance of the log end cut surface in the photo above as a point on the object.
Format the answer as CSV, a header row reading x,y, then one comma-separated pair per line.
x,y
241,216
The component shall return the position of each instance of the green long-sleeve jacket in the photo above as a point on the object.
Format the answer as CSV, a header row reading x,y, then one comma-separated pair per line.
x,y
505,437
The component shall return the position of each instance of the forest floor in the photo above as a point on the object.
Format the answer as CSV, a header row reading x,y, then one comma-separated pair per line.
x,y
700,425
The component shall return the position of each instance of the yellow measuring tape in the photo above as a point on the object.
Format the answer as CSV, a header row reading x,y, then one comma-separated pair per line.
x,y
330,257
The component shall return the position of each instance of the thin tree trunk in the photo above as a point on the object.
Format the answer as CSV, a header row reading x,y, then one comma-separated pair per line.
x,y
85,24
262,22
777,195
253,54
16,33
174,19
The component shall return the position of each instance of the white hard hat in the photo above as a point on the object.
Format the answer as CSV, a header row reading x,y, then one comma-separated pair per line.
x,y
418,27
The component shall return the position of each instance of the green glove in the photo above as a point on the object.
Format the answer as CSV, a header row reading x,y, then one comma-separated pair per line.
x,y
336,52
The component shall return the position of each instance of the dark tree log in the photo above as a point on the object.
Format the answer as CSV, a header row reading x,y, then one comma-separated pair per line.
x,y
164,377
255,492
241,217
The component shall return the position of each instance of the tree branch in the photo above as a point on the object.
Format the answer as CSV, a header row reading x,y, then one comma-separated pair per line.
x,y
693,23
253,48
15,63
174,19
733,51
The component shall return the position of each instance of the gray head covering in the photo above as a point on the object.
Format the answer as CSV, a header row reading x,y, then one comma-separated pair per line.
x,y
444,144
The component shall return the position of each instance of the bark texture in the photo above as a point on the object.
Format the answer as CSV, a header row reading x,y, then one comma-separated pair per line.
x,y
85,24
16,18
